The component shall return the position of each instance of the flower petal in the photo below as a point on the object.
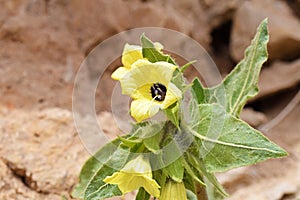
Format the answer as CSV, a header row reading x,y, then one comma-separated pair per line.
x,y
123,180
119,73
142,109
173,95
135,174
131,183
158,46
173,190
138,165
143,92
144,72
116,178
151,186
131,54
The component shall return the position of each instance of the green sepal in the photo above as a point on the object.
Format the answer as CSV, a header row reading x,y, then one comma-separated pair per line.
x,y
179,80
160,177
146,129
130,142
198,91
152,54
198,165
175,170
190,171
184,67
172,114
152,143
189,182
142,194
212,192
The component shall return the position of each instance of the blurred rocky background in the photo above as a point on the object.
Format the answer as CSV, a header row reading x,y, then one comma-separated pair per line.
x,y
43,43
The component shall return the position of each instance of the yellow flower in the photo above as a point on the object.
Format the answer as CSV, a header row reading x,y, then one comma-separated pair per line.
x,y
149,85
135,174
131,53
173,191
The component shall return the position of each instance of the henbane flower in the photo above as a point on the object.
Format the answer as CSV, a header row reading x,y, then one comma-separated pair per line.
x,y
131,54
149,85
135,174
173,190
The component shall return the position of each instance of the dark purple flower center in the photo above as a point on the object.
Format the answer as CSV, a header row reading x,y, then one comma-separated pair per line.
x,y
158,91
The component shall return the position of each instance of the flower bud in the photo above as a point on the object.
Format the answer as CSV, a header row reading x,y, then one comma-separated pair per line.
x,y
173,191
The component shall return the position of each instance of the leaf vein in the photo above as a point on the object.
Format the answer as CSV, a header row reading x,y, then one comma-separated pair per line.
x,y
229,144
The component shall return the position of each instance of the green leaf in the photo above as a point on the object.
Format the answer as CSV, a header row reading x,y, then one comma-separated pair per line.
x,y
91,166
241,83
146,130
176,170
97,189
105,162
198,91
212,192
227,142
169,158
160,177
193,172
172,114
152,143
152,54
105,191
175,143
142,194
198,97
179,80
199,165
189,182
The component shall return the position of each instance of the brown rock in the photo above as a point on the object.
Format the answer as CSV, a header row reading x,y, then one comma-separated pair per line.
x,y
284,29
218,12
92,26
43,150
93,21
13,187
277,189
50,38
295,6
38,52
192,18
42,46
41,154
279,76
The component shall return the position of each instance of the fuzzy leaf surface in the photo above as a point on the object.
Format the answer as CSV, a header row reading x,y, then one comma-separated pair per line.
x,y
242,83
105,162
227,142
